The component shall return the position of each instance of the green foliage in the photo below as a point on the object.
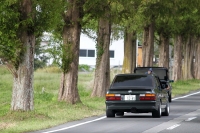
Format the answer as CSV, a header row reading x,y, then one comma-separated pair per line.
x,y
84,67
60,53
41,58
14,24
100,50
164,23
10,46
96,8
185,17
67,57
48,15
89,26
54,50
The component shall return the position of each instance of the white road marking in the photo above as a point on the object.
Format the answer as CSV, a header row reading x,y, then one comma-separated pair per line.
x,y
172,122
186,95
174,126
175,121
105,117
192,118
76,125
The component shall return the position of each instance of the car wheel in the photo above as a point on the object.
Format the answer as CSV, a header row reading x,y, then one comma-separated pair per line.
x,y
157,113
120,113
170,98
166,113
110,113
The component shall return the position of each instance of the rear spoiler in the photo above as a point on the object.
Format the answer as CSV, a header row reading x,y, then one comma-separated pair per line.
x,y
146,88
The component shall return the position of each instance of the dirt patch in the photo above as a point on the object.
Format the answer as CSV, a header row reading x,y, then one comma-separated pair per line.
x,y
21,116
6,125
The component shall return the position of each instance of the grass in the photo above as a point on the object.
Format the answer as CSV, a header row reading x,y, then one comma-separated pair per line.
x,y
48,111
185,87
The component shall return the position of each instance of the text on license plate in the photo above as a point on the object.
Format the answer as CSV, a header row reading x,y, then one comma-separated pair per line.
x,y
129,97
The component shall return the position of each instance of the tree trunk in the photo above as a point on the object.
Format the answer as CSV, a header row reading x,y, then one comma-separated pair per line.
x,y
177,65
197,60
71,42
148,46
102,72
164,51
129,62
189,48
22,93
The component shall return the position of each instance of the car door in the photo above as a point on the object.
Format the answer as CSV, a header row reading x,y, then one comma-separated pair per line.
x,y
157,89
163,91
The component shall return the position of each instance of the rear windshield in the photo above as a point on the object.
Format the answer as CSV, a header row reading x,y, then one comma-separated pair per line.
x,y
159,72
132,80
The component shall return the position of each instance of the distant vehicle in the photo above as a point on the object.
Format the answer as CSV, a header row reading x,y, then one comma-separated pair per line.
x,y
119,67
163,74
136,93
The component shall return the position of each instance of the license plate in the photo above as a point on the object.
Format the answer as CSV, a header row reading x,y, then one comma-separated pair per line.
x,y
129,97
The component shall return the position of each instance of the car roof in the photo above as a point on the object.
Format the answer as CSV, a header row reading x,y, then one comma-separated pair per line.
x,y
151,67
135,74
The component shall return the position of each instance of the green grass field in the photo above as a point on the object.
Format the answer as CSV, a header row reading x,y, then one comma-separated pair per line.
x,y
48,111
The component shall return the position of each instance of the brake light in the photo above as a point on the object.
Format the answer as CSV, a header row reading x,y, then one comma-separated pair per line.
x,y
147,97
113,97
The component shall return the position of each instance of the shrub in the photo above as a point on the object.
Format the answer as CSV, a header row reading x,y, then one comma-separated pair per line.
x,y
84,67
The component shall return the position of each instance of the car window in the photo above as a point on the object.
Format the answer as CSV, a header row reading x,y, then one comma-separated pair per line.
x,y
133,80
161,73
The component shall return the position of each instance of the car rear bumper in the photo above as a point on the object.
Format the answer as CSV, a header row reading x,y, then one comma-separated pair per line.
x,y
137,107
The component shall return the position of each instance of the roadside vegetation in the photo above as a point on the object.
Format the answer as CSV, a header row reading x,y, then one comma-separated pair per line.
x,y
184,87
48,111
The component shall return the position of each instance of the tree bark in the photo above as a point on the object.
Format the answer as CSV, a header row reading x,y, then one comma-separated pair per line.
x,y
197,59
177,65
71,42
189,48
164,51
148,45
102,72
22,93
129,62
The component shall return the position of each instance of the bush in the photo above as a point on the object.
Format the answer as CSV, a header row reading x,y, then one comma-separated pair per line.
x,y
84,67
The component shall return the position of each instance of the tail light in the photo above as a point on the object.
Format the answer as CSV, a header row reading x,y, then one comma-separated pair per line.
x,y
147,97
113,97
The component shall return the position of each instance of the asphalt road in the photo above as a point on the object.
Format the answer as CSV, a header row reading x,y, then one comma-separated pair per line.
x,y
184,118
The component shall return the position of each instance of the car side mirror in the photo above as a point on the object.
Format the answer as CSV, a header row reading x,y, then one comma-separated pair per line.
x,y
163,86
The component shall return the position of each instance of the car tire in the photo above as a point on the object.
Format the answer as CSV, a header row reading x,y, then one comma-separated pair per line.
x,y
170,98
110,113
120,114
157,113
167,110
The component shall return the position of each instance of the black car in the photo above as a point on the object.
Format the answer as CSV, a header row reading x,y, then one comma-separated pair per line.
x,y
163,74
136,93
